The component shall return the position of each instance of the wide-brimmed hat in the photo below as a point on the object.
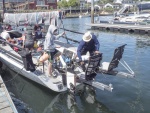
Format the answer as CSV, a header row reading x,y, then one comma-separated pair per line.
x,y
87,37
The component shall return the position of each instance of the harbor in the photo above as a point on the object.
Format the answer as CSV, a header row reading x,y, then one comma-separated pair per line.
x,y
6,103
118,74
123,28
127,95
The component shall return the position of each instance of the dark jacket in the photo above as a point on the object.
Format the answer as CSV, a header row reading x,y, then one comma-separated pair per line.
x,y
91,46
29,39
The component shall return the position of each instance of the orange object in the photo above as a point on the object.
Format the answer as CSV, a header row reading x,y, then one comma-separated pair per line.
x,y
44,57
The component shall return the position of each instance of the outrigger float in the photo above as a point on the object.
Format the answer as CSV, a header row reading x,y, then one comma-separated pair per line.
x,y
69,75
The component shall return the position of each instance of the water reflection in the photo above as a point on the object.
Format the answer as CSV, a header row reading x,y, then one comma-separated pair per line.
x,y
84,103
42,100
143,42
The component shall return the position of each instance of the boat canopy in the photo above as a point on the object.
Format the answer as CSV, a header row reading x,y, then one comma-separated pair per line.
x,y
144,6
46,18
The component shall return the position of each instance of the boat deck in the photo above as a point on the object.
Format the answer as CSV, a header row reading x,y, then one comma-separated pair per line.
x,y
41,70
6,103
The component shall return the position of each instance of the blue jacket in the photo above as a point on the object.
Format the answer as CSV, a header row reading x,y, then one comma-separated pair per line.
x,y
91,46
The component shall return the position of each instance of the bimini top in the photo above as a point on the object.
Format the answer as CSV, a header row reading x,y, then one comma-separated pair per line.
x,y
31,18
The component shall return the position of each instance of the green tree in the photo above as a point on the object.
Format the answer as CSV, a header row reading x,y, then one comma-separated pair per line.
x,y
62,3
59,4
105,1
73,3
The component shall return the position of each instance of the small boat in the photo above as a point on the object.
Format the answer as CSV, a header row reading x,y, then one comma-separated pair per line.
x,y
68,74
137,18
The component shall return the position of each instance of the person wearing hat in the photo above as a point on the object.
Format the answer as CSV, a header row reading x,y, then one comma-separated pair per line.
x,y
89,43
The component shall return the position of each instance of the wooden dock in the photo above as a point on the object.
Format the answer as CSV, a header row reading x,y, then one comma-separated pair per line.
x,y
123,28
6,103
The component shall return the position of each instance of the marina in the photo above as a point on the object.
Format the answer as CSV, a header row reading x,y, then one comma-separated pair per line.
x,y
126,92
117,72
123,28
6,103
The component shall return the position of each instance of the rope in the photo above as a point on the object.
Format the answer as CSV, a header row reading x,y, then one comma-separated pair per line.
x,y
15,75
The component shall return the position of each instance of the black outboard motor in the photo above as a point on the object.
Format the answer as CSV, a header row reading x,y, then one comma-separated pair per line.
x,y
27,60
1,64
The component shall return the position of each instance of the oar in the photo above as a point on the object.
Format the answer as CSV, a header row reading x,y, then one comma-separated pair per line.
x,y
76,41
64,30
11,44
72,31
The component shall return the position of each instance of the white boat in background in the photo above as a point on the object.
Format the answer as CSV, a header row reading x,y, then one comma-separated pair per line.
x,y
137,17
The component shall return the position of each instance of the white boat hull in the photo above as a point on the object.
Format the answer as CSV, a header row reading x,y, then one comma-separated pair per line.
x,y
42,79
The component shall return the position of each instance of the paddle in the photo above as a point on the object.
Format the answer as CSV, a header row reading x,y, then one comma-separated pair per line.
x,y
64,31
72,31
76,41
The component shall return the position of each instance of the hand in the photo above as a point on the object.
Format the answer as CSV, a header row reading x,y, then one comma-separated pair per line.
x,y
81,62
96,52
63,33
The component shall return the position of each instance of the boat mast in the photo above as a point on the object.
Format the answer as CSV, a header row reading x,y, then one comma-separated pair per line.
x,y
92,11
3,8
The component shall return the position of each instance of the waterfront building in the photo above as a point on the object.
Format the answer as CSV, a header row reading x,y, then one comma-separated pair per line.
x,y
29,4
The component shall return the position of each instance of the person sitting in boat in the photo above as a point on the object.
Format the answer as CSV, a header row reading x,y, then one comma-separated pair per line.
x,y
89,43
49,48
5,35
38,31
9,28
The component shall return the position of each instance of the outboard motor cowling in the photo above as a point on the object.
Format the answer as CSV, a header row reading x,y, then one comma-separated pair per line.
x,y
27,60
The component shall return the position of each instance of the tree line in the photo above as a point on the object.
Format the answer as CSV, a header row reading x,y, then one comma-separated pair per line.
x,y
76,3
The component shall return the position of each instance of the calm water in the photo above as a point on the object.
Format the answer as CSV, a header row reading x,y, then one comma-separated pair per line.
x,y
128,96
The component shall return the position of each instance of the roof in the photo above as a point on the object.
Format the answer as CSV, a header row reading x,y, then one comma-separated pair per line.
x,y
15,1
